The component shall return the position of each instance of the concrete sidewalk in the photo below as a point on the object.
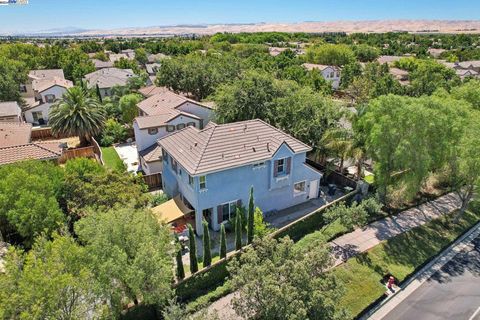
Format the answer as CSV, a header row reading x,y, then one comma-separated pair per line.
x,y
360,240
383,309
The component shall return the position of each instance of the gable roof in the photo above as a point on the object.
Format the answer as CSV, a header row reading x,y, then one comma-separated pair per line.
x,y
30,151
162,101
44,84
14,133
46,74
99,64
219,147
150,67
9,108
109,77
152,153
151,90
388,59
161,119
321,67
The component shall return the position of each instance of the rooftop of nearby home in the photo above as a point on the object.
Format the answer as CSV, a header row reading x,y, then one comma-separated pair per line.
x,y
109,77
41,85
99,64
157,103
46,74
30,151
152,153
9,108
151,90
14,133
321,67
388,59
218,147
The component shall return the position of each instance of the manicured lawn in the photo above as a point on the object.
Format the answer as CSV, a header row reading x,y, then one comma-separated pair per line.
x,y
186,267
399,256
111,159
326,234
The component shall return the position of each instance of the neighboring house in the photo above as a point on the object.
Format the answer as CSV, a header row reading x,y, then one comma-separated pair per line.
x,y
152,68
400,75
213,169
99,64
130,53
465,73
151,90
435,52
15,145
156,57
388,59
42,89
329,73
106,79
10,111
161,114
464,69
117,56
275,51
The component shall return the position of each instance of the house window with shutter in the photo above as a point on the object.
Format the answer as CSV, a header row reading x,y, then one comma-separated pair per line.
x,y
49,98
180,126
174,165
282,166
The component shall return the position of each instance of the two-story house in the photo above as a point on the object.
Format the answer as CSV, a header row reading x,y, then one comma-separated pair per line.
x,y
40,92
162,114
329,73
212,169
10,111
107,78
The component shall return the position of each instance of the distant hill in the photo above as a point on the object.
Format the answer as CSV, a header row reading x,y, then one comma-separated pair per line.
x,y
372,26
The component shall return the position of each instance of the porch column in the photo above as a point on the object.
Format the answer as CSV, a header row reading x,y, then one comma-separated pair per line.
x,y
198,222
215,225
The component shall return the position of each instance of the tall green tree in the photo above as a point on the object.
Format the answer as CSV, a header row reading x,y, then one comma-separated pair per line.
x,y
192,250
54,280
29,194
14,73
306,290
223,242
330,54
238,230
128,107
77,113
207,252
179,260
132,255
251,217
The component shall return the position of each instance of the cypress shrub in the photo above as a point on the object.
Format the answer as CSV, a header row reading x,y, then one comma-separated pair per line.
x,y
207,254
193,250
223,242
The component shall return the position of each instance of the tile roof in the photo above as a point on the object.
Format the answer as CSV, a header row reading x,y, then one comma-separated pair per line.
x,y
109,77
151,90
161,119
46,74
99,64
44,84
14,133
30,151
321,67
219,147
152,153
9,108
152,67
117,56
156,57
388,59
158,103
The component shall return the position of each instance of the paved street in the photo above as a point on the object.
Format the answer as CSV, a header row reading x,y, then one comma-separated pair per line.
x,y
453,292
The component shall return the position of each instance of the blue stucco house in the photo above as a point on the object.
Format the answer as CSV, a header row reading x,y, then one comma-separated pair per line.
x,y
212,169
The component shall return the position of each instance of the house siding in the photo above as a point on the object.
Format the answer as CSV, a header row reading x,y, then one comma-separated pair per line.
x,y
270,193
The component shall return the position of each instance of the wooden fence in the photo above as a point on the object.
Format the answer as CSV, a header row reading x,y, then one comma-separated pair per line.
x,y
97,150
87,152
153,181
334,176
45,133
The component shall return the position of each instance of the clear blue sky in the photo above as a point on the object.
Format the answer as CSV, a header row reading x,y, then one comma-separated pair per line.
x,y
98,14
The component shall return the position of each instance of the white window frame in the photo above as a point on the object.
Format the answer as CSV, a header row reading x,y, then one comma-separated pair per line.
x,y
230,213
180,126
170,128
47,98
299,193
191,181
152,131
35,114
284,168
204,182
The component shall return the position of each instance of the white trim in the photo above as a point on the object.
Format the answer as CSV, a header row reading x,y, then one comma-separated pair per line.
x,y
296,194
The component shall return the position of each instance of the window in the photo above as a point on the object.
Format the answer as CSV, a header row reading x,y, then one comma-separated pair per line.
x,y
281,166
174,165
152,131
49,98
190,180
37,115
332,74
191,124
259,165
299,188
203,182
170,128
180,126
228,210
23,88
165,155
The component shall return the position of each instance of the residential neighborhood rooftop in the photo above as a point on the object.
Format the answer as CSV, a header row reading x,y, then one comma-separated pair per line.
x,y
44,84
46,74
151,90
321,67
109,77
9,108
14,133
99,64
30,151
218,147
163,101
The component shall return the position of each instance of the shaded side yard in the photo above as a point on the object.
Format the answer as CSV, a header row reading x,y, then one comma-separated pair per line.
x,y
399,256
111,159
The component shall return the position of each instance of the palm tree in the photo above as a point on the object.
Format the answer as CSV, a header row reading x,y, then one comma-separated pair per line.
x,y
77,113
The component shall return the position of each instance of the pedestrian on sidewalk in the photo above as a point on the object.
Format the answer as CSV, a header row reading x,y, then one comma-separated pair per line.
x,y
391,283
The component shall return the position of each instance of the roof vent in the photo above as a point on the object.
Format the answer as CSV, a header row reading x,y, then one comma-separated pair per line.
x,y
268,146
223,155
195,144
244,128
253,148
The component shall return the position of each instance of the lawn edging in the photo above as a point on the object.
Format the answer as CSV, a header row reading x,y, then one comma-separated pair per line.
x,y
381,301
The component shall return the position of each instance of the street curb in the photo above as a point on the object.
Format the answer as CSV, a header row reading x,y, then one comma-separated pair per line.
x,y
384,307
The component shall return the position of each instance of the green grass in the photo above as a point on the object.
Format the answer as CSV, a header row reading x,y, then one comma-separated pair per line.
x,y
400,256
186,267
369,179
325,234
111,159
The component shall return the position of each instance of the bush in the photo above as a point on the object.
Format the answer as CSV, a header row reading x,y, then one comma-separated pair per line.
x,y
113,132
158,199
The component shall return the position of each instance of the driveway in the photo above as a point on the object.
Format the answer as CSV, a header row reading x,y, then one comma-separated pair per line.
x,y
453,292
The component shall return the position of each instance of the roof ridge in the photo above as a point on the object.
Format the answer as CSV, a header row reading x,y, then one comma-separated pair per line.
x,y
205,147
283,133
41,147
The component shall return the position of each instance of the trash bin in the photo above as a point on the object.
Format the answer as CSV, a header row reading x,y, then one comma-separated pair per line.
x,y
331,189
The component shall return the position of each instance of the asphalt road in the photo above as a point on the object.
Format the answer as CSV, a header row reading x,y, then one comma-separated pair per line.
x,y
451,293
